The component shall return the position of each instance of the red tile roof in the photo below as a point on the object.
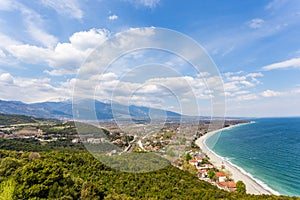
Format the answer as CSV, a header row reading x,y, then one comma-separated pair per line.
x,y
202,171
220,174
198,158
230,184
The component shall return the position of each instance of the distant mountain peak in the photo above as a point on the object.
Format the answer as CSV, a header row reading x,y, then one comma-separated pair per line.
x,y
63,109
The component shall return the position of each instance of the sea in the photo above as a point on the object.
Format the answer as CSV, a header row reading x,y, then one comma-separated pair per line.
x,y
267,149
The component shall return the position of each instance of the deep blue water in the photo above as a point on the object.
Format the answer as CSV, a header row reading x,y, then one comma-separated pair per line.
x,y
268,149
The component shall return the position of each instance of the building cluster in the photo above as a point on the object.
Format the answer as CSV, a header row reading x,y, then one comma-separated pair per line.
x,y
210,173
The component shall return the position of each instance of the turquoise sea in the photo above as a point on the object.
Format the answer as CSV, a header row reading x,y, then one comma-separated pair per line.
x,y
267,149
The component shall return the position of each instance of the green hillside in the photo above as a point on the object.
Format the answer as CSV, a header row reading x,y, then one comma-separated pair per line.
x,y
10,119
60,175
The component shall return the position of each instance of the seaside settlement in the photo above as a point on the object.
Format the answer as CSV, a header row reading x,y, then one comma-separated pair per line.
x,y
64,133
199,163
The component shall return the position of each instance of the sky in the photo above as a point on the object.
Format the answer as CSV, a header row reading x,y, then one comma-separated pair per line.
x,y
254,45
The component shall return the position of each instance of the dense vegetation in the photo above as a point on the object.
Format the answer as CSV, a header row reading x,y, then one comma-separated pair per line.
x,y
30,169
62,175
6,119
35,145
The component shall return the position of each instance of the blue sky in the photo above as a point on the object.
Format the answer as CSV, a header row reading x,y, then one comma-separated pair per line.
x,y
255,45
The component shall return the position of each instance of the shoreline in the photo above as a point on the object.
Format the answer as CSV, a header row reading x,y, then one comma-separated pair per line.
x,y
253,185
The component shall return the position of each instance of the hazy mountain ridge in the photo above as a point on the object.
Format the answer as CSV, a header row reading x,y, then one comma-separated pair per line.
x,y
59,110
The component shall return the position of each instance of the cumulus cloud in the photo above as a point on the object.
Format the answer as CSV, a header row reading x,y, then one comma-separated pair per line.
x,y
6,78
153,92
65,58
113,17
256,23
31,89
69,8
28,53
89,39
292,63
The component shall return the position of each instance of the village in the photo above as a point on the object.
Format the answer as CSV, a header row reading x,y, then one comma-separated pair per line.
x,y
205,171
155,142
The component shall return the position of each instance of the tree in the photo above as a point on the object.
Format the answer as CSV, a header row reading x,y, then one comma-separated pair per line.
x,y
190,168
7,189
228,175
188,157
240,187
211,174
8,166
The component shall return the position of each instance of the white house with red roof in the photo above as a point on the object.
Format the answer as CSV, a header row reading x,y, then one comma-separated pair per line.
x,y
198,158
193,162
221,176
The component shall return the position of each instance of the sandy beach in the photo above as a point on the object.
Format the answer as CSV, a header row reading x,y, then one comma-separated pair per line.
x,y
252,186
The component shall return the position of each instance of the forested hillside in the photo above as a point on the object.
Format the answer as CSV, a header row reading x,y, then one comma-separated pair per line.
x,y
61,175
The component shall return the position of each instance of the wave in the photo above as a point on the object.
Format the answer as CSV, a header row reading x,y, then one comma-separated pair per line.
x,y
228,160
259,182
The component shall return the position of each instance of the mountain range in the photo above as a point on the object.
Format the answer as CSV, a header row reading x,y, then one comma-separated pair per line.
x,y
63,110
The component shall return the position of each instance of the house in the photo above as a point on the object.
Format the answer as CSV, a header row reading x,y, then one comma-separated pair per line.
x,y
202,173
75,140
94,140
205,166
198,158
193,162
208,166
230,185
221,176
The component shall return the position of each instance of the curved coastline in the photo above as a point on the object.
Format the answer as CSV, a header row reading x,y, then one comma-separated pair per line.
x,y
253,185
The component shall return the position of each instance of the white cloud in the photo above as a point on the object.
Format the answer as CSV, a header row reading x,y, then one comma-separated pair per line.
x,y
247,97
113,17
239,80
154,92
292,63
89,39
28,53
254,76
2,54
146,3
69,8
65,58
7,41
238,84
40,35
256,23
237,93
6,77
270,93
31,89
6,5
33,22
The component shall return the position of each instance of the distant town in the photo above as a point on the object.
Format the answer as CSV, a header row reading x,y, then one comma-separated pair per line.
x,y
157,139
